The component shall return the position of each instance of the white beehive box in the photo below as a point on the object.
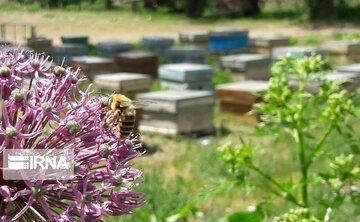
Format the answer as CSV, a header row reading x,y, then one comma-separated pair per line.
x,y
247,66
295,51
198,38
178,112
348,81
343,50
264,44
186,54
188,75
125,83
353,68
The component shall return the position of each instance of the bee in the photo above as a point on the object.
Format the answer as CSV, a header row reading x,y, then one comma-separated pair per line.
x,y
122,112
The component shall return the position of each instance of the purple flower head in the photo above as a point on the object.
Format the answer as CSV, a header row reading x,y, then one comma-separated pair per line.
x,y
42,108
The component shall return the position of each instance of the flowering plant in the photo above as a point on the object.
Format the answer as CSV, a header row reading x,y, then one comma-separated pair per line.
x,y
43,108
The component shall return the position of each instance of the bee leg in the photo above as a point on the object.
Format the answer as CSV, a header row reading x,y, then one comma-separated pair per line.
x,y
116,115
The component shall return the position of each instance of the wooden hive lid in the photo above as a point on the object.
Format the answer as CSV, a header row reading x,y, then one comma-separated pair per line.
x,y
353,68
185,72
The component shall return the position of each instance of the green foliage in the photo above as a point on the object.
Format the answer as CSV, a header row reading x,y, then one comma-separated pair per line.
x,y
245,216
221,77
309,118
346,36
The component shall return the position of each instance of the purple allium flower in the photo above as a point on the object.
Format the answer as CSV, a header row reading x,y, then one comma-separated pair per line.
x,y
42,108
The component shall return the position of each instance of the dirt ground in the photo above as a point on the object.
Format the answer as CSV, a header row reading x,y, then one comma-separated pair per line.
x,y
132,27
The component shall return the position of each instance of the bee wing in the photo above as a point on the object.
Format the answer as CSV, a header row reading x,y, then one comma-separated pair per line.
x,y
142,103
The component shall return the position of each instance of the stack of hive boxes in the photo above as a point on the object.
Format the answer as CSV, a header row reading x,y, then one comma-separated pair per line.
x,y
112,48
265,44
92,65
186,54
240,97
178,112
195,38
247,66
40,45
228,40
137,62
343,51
186,76
159,45
353,68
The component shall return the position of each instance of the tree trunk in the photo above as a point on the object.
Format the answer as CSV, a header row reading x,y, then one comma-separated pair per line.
x,y
109,4
321,9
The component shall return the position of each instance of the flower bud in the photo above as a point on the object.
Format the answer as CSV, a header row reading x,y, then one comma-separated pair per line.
x,y
11,132
104,150
37,191
73,127
59,71
35,64
5,71
46,107
17,95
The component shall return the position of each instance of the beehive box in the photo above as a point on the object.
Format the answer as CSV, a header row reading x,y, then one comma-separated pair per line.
x,y
4,42
343,51
240,97
196,38
265,44
112,48
40,45
295,51
247,66
353,68
186,54
126,83
228,40
186,76
178,112
158,44
348,81
66,51
75,39
92,65
137,62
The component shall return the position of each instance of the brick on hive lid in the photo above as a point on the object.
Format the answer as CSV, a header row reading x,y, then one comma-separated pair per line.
x,y
75,39
186,54
40,45
92,65
194,37
240,97
178,112
112,47
353,68
248,66
295,51
138,62
126,83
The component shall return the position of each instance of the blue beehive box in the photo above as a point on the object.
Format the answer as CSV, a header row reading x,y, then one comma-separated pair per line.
x,y
66,51
186,76
157,44
226,40
186,54
113,47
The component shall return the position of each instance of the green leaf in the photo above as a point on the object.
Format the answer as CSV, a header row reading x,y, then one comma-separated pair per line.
x,y
245,217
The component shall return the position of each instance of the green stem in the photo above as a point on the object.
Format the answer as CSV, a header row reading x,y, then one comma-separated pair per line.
x,y
319,145
304,167
289,196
